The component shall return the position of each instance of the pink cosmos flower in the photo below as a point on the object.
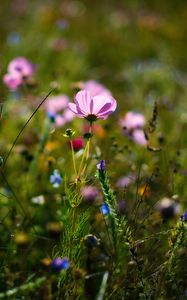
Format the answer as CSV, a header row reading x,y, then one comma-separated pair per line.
x,y
132,125
57,108
19,71
95,88
20,65
132,120
92,108
12,81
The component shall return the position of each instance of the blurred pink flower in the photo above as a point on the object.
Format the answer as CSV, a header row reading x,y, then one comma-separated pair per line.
x,y
89,193
95,88
138,136
125,181
21,66
12,81
19,71
56,104
92,108
57,108
66,117
132,120
132,126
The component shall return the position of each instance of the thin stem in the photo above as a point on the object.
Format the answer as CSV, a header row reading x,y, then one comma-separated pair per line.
x,y
88,150
82,160
24,126
87,156
86,153
73,157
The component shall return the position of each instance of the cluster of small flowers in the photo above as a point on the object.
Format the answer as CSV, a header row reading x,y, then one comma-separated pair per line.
x,y
19,71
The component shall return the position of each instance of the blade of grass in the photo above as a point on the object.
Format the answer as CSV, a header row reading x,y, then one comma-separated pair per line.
x,y
24,126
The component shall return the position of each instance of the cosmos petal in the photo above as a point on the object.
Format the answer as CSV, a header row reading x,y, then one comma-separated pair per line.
x,y
113,104
105,108
99,102
83,100
105,114
73,107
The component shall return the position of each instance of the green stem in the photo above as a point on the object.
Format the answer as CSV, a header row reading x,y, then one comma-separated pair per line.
x,y
82,160
73,157
86,154
25,287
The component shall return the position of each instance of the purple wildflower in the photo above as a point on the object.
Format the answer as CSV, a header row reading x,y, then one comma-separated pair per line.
x,y
58,264
101,166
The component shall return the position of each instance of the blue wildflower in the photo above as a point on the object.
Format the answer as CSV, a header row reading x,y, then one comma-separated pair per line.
x,y
101,166
56,179
58,264
184,217
52,116
105,209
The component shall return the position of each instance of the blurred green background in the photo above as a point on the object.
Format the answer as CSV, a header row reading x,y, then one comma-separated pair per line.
x,y
97,39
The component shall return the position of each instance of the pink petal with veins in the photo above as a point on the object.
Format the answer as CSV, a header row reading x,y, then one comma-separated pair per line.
x,y
83,100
